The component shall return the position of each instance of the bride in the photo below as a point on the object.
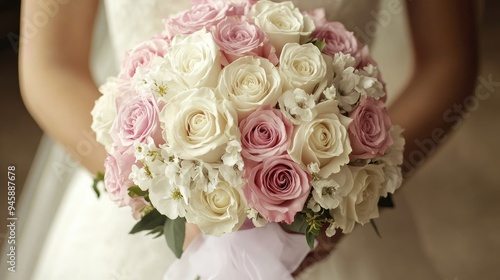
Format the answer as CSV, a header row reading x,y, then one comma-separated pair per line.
x,y
59,90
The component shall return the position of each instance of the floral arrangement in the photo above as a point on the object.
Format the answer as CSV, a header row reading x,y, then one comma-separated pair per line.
x,y
248,111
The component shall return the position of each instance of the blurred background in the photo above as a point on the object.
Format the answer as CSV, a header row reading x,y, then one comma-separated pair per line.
x,y
454,197
20,135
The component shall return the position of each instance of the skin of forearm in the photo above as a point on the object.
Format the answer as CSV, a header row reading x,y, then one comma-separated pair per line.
x,y
62,108
444,41
55,80
425,107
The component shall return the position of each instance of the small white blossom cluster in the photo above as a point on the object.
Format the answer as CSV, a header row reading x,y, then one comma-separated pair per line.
x,y
349,84
182,188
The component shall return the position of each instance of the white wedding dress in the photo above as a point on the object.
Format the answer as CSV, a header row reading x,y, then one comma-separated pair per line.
x,y
89,239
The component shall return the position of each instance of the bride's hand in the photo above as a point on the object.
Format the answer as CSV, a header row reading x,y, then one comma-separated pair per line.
x,y
322,250
192,231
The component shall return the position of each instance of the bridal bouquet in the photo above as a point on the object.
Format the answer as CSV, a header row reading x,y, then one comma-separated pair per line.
x,y
248,111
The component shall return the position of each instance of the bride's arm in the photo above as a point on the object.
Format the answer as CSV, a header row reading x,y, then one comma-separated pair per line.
x,y
445,54
56,84
445,68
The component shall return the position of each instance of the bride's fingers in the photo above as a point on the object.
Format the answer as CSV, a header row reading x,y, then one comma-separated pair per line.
x,y
322,250
192,231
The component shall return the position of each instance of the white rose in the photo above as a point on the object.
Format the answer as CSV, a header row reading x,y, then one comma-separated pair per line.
x,y
104,113
302,66
361,204
197,125
169,199
283,22
324,140
330,192
194,60
250,83
217,212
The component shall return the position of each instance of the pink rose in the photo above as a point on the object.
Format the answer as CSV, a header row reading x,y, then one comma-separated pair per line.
x,y
277,188
137,119
241,7
198,17
141,55
369,132
237,38
318,16
338,39
118,167
264,133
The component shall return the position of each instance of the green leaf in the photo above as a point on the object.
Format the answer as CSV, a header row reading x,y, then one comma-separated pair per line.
x,y
310,239
158,231
135,191
98,178
149,222
175,231
320,44
299,224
